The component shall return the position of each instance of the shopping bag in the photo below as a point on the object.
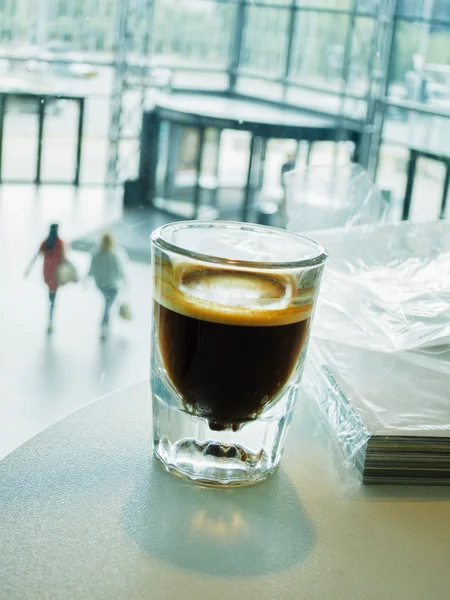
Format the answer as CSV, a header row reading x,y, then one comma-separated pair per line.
x,y
66,272
124,311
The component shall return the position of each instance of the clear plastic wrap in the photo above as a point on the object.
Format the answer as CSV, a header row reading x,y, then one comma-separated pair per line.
x,y
387,288
379,363
390,417
320,383
332,196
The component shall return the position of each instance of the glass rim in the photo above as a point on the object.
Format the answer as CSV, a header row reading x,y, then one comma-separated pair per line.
x,y
158,240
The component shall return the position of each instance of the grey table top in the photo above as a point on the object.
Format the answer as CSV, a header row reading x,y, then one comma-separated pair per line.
x,y
86,513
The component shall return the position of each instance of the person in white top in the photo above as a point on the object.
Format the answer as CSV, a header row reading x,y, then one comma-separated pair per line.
x,y
107,269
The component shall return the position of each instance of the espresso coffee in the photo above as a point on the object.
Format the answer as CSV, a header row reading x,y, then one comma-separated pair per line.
x,y
229,341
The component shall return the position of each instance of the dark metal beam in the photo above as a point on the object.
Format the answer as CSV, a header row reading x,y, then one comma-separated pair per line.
x,y
248,192
409,184
445,191
41,118
198,172
3,100
236,44
292,26
76,179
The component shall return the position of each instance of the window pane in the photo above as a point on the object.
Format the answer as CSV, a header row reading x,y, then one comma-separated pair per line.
x,y
193,30
60,141
319,47
441,10
437,68
128,162
421,64
332,4
405,81
408,8
74,25
20,137
362,40
436,9
424,9
264,45
427,191
282,3
277,153
95,140
362,6
368,6
391,174
234,156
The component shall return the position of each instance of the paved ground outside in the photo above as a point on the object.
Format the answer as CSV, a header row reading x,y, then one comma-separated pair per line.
x,y
45,378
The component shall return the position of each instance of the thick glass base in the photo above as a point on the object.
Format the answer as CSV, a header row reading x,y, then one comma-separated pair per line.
x,y
188,447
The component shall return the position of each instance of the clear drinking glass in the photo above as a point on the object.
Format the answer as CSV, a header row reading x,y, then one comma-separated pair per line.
x,y
232,311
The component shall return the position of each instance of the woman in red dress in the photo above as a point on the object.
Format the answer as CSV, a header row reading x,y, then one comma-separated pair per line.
x,y
52,248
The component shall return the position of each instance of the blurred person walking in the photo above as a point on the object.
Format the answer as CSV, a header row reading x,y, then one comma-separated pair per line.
x,y
107,269
53,251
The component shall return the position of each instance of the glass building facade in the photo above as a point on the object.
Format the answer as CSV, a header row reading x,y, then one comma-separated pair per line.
x,y
384,63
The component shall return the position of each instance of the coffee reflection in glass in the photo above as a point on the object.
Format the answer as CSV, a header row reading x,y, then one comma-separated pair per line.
x,y
232,309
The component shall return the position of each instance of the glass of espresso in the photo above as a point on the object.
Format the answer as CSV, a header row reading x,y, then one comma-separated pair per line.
x,y
232,311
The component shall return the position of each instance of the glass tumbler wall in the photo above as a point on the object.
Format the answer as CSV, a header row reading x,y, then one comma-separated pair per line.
x,y
232,310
